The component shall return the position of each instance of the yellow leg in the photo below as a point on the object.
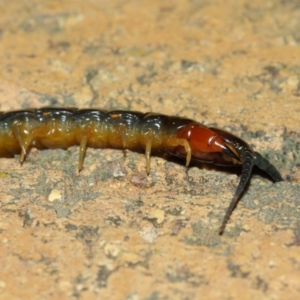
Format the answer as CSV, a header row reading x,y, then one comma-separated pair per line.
x,y
17,131
25,137
182,142
148,153
82,150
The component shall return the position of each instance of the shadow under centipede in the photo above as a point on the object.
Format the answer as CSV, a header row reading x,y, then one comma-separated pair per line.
x,y
200,165
231,170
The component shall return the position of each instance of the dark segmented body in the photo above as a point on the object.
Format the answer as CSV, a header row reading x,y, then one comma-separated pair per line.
x,y
65,127
71,123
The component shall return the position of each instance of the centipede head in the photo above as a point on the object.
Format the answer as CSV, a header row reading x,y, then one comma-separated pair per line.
x,y
207,146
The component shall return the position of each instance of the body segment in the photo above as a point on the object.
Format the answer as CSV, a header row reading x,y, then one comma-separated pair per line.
x,y
65,127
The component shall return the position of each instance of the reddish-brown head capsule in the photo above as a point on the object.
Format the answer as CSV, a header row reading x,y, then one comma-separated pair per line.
x,y
206,145
201,139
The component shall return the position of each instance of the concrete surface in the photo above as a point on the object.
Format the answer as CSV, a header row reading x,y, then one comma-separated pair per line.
x,y
112,232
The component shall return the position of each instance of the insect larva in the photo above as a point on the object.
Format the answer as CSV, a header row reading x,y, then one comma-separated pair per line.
x,y
65,127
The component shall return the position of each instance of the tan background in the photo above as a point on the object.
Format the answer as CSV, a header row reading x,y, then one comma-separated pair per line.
x,y
113,232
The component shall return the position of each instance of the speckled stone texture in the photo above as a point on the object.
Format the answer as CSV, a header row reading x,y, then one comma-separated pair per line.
x,y
112,232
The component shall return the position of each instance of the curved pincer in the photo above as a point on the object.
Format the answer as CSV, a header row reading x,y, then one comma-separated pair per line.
x,y
247,157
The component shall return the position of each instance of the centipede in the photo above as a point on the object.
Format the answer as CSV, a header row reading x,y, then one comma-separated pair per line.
x,y
56,127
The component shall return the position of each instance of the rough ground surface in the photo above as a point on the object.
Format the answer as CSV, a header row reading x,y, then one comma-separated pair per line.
x,y
113,232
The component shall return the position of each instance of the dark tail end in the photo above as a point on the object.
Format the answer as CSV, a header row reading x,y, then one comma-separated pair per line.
x,y
248,162
266,166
